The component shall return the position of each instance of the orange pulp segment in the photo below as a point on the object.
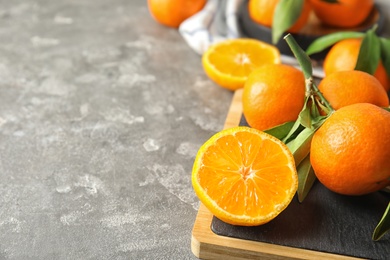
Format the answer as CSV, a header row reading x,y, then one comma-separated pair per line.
x,y
244,176
229,63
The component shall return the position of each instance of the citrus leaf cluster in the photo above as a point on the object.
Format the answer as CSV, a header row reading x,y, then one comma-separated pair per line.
x,y
298,135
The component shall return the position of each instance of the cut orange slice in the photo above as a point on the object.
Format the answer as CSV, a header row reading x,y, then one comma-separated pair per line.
x,y
229,63
244,176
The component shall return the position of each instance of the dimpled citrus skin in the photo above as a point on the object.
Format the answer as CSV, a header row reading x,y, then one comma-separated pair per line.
x,y
273,95
343,88
350,153
345,14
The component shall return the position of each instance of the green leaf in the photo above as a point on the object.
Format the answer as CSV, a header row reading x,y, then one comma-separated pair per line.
x,y
280,131
300,146
387,108
323,107
383,225
385,54
303,60
286,14
294,131
306,178
315,113
328,40
304,116
369,54
318,121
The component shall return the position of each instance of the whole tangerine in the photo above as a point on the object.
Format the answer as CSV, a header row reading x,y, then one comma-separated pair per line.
x,y
173,12
344,13
273,94
350,152
342,88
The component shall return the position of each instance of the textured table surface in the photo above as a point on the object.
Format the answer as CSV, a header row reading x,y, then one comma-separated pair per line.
x,y
102,111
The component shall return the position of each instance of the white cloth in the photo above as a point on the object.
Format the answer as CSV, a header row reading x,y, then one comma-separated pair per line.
x,y
217,21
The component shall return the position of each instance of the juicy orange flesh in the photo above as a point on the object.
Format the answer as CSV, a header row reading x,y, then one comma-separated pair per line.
x,y
253,174
240,59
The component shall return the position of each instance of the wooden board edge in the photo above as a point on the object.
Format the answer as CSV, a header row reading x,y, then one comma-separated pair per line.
x,y
205,244
235,110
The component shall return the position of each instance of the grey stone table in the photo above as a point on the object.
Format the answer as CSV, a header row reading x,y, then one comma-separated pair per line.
x,y
102,111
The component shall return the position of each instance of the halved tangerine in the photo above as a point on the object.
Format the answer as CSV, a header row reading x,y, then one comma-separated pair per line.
x,y
229,62
244,176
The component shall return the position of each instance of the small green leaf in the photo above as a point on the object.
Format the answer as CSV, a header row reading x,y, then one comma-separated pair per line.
x,y
328,40
306,178
303,60
280,131
385,54
286,14
369,54
387,108
318,121
294,131
300,146
322,107
315,113
304,116
383,225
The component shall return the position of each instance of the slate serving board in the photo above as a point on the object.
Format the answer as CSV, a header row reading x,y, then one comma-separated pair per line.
x,y
325,221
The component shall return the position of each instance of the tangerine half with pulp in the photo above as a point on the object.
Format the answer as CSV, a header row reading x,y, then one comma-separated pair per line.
x,y
244,176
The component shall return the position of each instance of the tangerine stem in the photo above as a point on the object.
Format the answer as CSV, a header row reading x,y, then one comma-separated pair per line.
x,y
307,69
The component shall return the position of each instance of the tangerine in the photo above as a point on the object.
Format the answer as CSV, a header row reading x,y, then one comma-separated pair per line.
x,y
229,62
244,176
273,94
343,56
344,13
350,152
262,12
343,88
173,12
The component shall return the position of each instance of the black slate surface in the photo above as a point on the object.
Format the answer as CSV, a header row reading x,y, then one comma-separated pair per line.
x,y
325,221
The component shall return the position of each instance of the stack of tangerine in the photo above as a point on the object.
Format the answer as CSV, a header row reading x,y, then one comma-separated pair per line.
x,y
246,176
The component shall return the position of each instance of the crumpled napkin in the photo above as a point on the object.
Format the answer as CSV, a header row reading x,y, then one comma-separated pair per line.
x,y
217,21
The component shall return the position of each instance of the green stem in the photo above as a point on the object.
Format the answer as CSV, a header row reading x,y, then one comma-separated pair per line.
x,y
307,69
303,60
